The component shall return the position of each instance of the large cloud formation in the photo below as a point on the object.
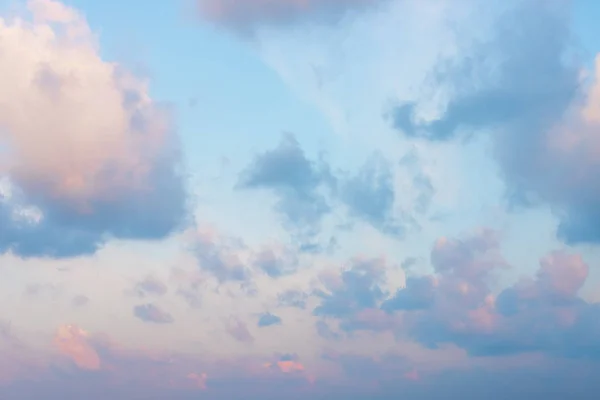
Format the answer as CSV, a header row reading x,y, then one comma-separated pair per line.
x,y
245,16
525,88
86,154
459,305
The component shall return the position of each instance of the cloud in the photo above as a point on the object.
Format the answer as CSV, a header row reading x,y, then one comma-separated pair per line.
x,y
276,262
72,342
417,295
86,153
292,298
525,88
222,256
308,191
198,379
458,305
244,17
357,288
150,286
239,331
297,182
152,313
97,366
268,319
325,331
370,196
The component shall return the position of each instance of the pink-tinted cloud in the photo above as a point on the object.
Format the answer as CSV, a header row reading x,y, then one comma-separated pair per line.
x,y
100,368
72,342
245,15
198,379
458,305
88,152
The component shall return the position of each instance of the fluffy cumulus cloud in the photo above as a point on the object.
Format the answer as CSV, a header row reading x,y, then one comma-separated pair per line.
x,y
245,16
523,85
86,153
459,304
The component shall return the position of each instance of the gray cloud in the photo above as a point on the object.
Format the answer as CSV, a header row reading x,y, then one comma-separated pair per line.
x,y
292,298
358,289
297,182
247,16
523,86
150,286
152,313
276,265
370,196
308,191
220,256
239,330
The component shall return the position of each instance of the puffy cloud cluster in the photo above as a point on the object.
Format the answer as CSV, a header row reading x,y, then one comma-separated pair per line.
x,y
525,88
86,154
245,16
460,305
308,191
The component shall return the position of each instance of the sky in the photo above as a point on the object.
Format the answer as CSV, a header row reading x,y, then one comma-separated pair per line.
x,y
300,199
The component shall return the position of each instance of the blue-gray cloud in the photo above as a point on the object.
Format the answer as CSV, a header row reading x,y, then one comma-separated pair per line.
x,y
358,289
308,191
238,330
457,304
220,256
370,196
297,182
150,286
524,87
276,264
292,298
152,313
244,17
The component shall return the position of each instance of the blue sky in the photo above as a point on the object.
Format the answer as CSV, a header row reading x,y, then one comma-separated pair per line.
x,y
310,199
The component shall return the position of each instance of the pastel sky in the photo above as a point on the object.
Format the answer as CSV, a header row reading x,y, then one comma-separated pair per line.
x,y
299,199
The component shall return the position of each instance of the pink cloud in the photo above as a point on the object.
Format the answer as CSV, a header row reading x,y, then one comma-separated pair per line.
x,y
72,342
198,379
412,375
102,368
286,366
84,139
